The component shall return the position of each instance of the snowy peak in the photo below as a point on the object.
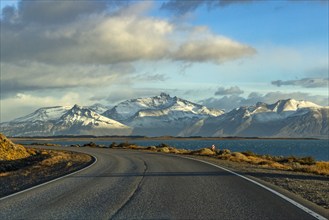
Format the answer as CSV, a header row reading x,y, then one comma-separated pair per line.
x,y
98,108
263,112
165,115
284,106
44,114
160,105
290,105
56,112
84,116
59,120
127,109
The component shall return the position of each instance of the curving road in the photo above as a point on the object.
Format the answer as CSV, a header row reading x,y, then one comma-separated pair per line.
x,y
125,184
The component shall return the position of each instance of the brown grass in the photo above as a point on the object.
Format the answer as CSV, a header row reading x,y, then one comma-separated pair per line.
x,y
303,164
11,151
44,165
321,168
204,152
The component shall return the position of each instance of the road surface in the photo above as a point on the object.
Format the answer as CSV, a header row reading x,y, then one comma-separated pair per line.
x,y
126,184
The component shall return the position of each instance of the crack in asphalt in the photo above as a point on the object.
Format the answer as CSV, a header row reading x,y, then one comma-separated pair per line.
x,y
132,195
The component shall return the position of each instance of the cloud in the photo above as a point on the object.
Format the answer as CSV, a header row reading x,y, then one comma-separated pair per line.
x,y
96,44
182,7
234,90
96,40
212,48
179,7
306,82
50,12
150,77
57,12
234,101
225,103
24,76
121,93
23,104
124,94
70,33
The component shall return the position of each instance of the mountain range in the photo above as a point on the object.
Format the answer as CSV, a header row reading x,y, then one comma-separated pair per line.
x,y
164,115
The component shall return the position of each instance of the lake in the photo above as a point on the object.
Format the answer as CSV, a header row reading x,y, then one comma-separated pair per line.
x,y
319,149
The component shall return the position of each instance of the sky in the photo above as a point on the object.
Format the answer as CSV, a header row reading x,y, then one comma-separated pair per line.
x,y
219,53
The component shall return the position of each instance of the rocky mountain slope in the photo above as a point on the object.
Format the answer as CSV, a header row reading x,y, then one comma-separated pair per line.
x,y
285,118
160,115
164,115
76,120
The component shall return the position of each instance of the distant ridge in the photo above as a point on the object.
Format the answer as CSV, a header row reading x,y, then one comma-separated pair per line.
x,y
164,115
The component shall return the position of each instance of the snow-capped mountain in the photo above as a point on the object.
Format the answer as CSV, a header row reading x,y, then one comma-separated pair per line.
x,y
285,118
44,114
129,109
159,115
83,121
76,120
165,115
98,108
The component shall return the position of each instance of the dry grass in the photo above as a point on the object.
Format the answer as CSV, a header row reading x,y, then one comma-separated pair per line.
x,y
304,164
11,151
321,168
22,167
204,152
40,166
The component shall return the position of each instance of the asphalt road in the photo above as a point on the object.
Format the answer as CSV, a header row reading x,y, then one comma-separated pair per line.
x,y
126,184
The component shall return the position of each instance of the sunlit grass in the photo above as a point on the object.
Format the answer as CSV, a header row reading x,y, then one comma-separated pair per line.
x,y
291,163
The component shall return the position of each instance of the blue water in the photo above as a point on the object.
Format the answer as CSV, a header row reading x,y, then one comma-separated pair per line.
x,y
319,149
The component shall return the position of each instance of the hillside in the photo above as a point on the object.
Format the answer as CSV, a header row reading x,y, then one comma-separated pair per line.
x,y
285,118
11,151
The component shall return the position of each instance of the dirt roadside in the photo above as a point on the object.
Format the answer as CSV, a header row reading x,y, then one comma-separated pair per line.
x,y
44,166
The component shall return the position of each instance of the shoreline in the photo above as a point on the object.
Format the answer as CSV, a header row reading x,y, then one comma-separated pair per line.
x,y
279,147
95,138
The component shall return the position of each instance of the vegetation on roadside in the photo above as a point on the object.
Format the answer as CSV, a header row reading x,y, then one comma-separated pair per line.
x,y
22,167
291,163
11,151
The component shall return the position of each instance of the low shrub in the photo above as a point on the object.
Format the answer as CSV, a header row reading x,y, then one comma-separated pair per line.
x,y
223,152
124,145
249,153
152,148
113,145
163,149
163,145
204,152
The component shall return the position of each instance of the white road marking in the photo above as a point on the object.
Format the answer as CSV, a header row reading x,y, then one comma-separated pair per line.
x,y
305,209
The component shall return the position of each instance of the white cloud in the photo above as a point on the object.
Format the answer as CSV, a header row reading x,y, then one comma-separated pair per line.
x,y
24,76
306,82
23,104
107,38
233,90
216,49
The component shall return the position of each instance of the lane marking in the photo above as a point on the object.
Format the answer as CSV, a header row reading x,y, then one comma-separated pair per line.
x,y
51,181
305,209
